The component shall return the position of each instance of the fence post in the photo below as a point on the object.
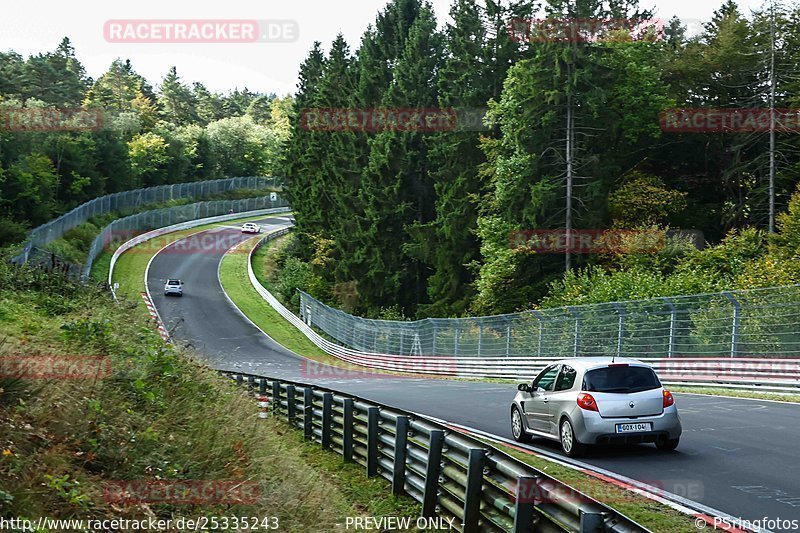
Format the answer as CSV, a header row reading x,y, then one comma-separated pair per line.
x,y
577,331
672,313
737,308
308,413
373,423
327,418
456,336
539,317
347,430
472,496
523,504
508,338
435,333
400,449
291,407
620,326
480,337
432,471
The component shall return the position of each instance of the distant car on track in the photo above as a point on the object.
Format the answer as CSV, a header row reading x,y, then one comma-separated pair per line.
x,y
251,227
173,287
596,400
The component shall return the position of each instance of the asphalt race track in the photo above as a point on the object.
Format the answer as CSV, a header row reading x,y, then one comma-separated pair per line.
x,y
741,457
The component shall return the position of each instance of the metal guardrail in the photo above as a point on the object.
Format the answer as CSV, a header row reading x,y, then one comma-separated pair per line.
x,y
47,233
452,474
755,373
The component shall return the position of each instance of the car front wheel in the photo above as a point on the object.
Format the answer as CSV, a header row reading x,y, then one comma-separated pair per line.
x,y
569,443
517,428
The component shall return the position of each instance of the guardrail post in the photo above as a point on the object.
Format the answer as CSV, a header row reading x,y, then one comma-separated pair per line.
x,y
523,504
251,382
591,521
672,313
262,386
276,395
327,418
347,430
308,413
400,449
737,309
291,407
472,496
239,380
373,426
433,469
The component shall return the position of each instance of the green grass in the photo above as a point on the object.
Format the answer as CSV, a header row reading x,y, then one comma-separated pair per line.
x,y
158,415
649,513
130,266
234,277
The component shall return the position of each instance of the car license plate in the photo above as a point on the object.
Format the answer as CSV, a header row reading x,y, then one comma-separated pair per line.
x,y
635,427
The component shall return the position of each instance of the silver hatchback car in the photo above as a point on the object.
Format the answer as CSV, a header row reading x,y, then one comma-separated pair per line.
x,y
596,400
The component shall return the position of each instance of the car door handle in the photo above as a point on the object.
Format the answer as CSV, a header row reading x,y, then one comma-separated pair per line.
x,y
545,400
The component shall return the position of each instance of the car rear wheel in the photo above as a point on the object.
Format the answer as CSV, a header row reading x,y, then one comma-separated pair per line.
x,y
667,445
517,427
570,444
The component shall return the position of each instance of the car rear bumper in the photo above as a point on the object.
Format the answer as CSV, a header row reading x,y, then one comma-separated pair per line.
x,y
591,428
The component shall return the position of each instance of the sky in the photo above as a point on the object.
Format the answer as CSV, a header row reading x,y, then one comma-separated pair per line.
x,y
35,26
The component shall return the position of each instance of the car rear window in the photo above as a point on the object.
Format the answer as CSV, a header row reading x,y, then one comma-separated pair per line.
x,y
621,378
173,282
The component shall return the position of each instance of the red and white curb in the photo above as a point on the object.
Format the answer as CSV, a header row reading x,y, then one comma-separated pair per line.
x,y
157,319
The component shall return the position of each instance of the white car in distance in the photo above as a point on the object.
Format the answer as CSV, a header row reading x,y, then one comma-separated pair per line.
x,y
250,227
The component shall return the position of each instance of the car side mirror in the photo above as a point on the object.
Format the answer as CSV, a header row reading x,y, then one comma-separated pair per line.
x,y
524,387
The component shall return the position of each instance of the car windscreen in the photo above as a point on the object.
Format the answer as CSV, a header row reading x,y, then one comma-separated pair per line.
x,y
620,379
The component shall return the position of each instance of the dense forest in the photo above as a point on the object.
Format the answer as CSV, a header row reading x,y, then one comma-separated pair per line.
x,y
415,223
144,136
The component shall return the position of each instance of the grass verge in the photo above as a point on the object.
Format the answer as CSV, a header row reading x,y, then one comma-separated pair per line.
x,y
156,415
649,513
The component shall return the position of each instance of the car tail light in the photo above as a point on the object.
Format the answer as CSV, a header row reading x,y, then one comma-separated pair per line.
x,y
586,401
668,399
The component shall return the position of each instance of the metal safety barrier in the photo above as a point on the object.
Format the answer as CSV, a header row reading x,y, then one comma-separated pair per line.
x,y
47,233
452,474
